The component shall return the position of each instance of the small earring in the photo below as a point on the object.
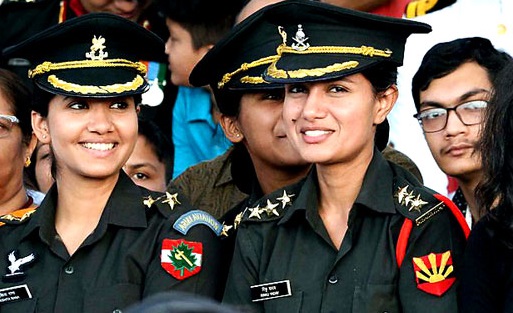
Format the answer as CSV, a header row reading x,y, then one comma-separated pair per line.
x,y
27,162
44,136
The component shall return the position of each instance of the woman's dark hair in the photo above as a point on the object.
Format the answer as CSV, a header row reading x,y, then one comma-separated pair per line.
x,y
18,95
161,145
381,76
496,149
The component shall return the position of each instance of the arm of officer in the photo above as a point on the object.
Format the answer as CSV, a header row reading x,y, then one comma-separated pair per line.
x,y
432,263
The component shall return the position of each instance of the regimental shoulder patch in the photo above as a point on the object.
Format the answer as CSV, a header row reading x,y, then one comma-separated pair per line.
x,y
197,217
434,273
268,208
181,258
17,217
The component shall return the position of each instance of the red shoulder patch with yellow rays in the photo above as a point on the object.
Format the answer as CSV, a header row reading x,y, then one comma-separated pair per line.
x,y
434,273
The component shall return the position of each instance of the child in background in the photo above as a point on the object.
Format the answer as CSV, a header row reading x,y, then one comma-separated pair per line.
x,y
194,27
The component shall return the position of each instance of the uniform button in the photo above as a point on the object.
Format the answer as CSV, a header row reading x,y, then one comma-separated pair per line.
x,y
117,311
333,279
69,269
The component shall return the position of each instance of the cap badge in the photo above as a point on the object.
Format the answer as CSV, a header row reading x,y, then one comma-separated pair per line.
x,y
300,40
97,47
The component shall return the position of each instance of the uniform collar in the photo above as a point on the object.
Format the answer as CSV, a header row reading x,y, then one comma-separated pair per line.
x,y
126,196
375,194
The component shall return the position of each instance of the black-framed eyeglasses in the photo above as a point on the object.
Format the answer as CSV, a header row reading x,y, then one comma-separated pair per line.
x,y
6,124
435,119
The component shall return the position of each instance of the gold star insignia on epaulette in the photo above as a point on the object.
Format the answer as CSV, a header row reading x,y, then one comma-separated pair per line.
x,y
270,208
148,201
225,230
285,199
417,204
408,199
171,199
237,220
401,193
255,212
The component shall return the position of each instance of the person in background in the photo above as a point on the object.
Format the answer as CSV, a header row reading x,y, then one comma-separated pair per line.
x,y
393,8
381,234
487,279
98,242
491,19
450,91
194,27
150,164
39,172
16,145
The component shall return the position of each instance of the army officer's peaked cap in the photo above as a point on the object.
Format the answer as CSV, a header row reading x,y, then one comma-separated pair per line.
x,y
94,55
322,41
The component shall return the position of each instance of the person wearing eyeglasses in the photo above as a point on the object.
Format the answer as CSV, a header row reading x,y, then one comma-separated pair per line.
x,y
16,146
451,90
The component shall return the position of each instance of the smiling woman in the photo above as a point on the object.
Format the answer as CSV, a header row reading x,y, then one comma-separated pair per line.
x,y
358,233
115,241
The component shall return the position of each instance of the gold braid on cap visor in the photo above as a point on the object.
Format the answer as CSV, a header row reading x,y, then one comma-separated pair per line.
x,y
46,67
244,67
273,71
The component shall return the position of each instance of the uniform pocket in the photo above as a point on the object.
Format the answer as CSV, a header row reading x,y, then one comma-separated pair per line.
x,y
109,299
376,298
290,304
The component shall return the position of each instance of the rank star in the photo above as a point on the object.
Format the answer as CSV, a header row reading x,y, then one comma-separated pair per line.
x,y
270,208
402,193
255,212
285,199
417,204
408,198
148,201
237,220
171,199
225,230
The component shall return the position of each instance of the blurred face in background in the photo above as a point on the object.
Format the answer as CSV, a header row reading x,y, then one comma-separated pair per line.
x,y
129,9
181,53
43,167
12,151
145,168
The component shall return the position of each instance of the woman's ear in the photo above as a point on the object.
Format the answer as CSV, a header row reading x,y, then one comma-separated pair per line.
x,y
40,127
31,146
385,102
231,129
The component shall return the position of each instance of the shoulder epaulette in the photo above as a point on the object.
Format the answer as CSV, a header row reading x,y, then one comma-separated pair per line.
x,y
416,203
165,203
169,201
17,217
422,7
269,208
